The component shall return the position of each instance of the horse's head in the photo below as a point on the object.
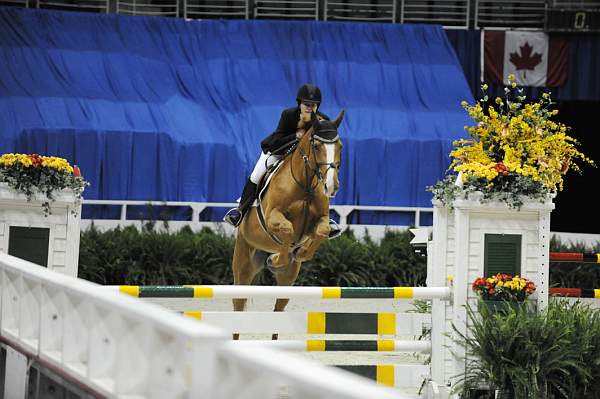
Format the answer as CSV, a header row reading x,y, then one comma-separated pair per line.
x,y
327,149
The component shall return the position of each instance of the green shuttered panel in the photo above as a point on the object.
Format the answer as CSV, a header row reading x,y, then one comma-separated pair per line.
x,y
502,254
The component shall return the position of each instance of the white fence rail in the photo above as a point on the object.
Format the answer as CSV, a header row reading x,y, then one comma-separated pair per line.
x,y
297,322
344,212
415,216
118,347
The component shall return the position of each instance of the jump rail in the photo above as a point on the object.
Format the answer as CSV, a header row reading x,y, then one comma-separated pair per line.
x,y
242,291
576,292
316,323
577,257
116,347
348,345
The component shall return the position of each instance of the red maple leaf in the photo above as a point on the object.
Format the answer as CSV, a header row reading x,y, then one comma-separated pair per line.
x,y
526,60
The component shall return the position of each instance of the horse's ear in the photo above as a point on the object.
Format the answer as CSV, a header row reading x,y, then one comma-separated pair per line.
x,y
340,117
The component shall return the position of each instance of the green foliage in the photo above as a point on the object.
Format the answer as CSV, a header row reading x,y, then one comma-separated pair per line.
x,y
512,190
128,256
572,274
525,354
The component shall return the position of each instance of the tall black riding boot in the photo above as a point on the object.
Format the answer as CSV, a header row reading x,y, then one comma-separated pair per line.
x,y
248,197
235,215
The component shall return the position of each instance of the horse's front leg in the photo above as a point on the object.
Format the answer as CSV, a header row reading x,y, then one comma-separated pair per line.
x,y
279,225
320,233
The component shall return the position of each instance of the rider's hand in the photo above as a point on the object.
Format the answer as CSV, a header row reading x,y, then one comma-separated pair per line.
x,y
300,133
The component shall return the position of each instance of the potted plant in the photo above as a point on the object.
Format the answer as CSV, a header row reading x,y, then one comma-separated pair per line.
x,y
503,290
515,151
33,175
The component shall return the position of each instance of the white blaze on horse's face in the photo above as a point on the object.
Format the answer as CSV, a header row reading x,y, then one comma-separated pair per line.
x,y
331,186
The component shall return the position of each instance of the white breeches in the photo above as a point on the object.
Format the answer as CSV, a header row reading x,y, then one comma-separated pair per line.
x,y
263,163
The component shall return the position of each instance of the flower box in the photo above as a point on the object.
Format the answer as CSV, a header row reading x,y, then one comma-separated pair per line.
x,y
41,179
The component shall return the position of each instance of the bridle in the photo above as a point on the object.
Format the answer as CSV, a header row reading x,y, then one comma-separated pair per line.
x,y
315,167
310,189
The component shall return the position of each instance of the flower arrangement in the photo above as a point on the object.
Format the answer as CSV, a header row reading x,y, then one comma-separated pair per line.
x,y
503,287
514,150
31,173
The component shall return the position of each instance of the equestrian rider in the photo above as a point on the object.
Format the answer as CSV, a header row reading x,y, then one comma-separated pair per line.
x,y
294,122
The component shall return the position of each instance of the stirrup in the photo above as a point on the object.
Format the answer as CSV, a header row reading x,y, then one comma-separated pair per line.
x,y
233,217
334,229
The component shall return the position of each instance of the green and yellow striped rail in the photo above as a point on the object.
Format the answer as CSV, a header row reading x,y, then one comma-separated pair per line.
x,y
252,291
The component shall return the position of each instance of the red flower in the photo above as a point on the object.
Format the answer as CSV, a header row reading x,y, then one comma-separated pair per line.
x,y
501,168
76,171
36,160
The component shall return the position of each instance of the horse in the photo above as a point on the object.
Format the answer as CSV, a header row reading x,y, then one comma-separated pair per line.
x,y
295,212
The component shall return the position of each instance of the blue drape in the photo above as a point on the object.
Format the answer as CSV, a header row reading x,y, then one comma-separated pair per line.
x,y
164,109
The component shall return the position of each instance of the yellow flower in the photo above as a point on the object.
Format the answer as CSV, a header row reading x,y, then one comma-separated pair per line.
x,y
24,160
511,77
484,86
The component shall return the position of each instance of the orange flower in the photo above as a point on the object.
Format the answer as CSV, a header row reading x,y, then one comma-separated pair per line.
x,y
36,160
501,168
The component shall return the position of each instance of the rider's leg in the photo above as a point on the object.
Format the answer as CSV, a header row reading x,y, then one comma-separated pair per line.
x,y
235,215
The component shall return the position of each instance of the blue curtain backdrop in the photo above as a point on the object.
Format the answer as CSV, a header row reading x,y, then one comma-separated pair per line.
x,y
163,109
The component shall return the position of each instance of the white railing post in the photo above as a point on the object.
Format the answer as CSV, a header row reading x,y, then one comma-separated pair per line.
x,y
123,215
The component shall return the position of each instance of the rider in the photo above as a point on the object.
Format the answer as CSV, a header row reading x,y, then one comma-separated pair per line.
x,y
294,122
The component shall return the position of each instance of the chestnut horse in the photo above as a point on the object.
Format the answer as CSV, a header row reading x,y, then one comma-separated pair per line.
x,y
295,209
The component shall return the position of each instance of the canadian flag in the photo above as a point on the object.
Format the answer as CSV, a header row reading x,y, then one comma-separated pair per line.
x,y
533,57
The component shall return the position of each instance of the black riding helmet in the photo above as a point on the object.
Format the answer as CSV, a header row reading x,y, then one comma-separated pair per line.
x,y
309,93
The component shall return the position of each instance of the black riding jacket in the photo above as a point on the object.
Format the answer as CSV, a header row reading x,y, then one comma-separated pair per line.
x,y
284,136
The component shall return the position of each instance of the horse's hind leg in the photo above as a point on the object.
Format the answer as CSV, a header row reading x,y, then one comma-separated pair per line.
x,y
244,271
286,277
